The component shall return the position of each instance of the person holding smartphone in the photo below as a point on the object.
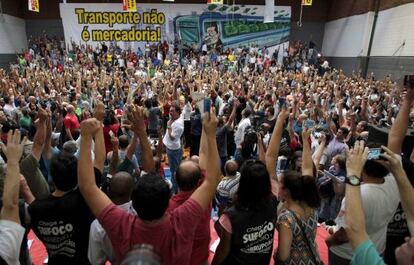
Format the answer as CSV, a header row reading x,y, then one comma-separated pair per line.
x,y
172,140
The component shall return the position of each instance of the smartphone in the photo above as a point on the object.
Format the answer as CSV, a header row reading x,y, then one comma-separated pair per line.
x,y
374,153
282,164
317,134
282,102
333,177
207,105
310,124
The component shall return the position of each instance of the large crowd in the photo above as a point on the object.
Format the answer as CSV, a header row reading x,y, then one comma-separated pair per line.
x,y
122,156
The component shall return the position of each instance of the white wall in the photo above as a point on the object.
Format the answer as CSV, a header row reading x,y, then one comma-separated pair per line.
x,y
349,37
393,27
12,34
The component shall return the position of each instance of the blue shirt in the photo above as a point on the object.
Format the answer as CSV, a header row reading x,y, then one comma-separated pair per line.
x,y
366,253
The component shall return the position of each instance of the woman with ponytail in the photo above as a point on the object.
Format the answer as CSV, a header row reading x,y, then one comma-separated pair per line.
x,y
297,222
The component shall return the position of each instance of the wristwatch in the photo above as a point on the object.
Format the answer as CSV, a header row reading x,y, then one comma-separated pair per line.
x,y
353,180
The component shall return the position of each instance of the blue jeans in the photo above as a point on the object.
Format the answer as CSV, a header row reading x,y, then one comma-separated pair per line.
x,y
238,156
174,160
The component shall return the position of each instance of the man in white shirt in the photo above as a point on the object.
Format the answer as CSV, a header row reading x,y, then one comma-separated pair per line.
x,y
172,140
380,198
239,135
100,247
9,107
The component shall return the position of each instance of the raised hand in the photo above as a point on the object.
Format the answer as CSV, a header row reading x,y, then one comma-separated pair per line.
x,y
404,253
136,117
210,122
284,113
323,137
42,114
356,159
393,159
15,146
90,127
306,133
115,142
99,111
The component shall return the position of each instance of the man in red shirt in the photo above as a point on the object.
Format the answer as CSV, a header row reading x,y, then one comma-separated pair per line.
x,y
189,175
71,123
172,233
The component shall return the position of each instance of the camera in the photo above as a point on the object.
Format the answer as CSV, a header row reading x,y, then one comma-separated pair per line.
x,y
250,135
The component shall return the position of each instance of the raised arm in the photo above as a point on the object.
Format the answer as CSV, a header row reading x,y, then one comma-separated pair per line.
x,y
340,107
412,156
205,193
230,121
94,197
47,150
113,164
352,131
261,148
30,164
203,152
307,163
99,114
364,109
399,127
40,135
274,145
319,151
14,151
136,116
160,146
355,219
404,186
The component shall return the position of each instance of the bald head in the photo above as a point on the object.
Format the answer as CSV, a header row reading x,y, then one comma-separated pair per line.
x,y
70,108
230,168
188,176
120,187
195,159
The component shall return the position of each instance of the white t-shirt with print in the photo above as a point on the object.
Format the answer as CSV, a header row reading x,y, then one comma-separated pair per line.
x,y
379,201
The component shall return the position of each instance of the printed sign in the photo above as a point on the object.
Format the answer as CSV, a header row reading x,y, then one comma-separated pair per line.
x,y
33,5
129,5
217,2
307,2
188,26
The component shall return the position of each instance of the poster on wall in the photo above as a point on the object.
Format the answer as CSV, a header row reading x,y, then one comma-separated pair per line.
x,y
185,25
33,5
129,5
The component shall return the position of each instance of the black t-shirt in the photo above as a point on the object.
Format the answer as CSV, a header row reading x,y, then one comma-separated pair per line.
x,y
252,234
271,123
221,138
398,228
62,224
